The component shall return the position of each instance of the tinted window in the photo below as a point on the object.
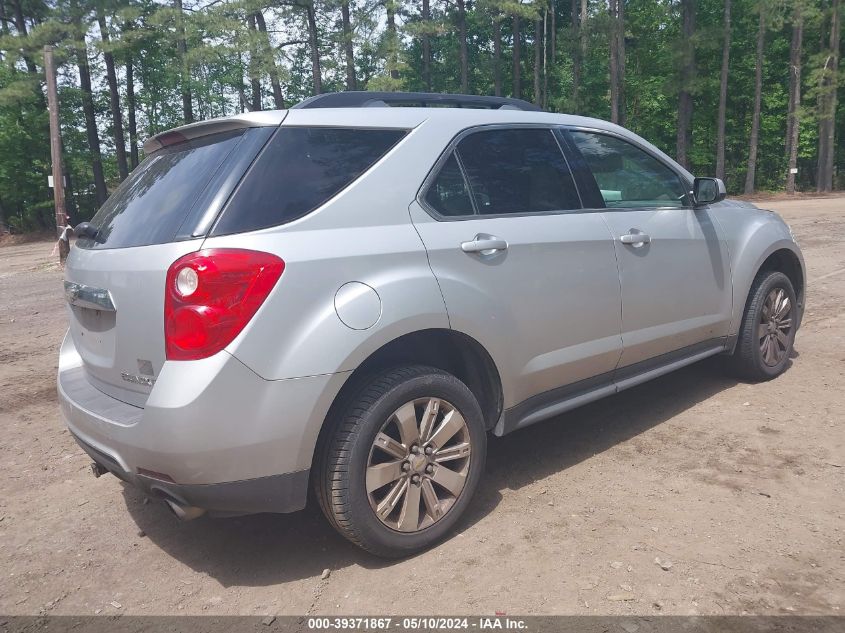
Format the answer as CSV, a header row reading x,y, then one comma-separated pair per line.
x,y
628,176
300,169
151,205
517,171
448,194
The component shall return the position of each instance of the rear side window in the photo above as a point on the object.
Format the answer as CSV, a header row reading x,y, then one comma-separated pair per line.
x,y
299,170
628,176
517,171
150,206
449,194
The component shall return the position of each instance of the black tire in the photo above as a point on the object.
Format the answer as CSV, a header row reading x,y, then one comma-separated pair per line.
x,y
341,468
747,361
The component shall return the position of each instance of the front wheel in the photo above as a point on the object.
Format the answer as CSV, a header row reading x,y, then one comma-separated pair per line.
x,y
403,461
767,332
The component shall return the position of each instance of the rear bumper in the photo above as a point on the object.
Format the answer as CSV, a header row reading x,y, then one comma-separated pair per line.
x,y
275,493
212,434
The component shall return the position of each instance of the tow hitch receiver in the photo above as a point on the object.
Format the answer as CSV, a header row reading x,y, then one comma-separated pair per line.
x,y
98,470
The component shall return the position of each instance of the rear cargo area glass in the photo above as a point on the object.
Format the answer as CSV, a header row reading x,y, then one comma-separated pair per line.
x,y
300,169
151,205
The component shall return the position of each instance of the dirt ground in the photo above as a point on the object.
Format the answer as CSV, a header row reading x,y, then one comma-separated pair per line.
x,y
741,488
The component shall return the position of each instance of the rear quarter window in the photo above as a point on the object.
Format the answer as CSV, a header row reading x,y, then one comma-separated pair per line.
x,y
300,169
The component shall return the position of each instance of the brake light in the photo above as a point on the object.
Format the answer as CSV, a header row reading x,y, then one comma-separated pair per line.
x,y
210,297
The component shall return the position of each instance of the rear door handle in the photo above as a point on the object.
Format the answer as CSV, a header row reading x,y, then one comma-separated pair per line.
x,y
485,244
84,296
635,238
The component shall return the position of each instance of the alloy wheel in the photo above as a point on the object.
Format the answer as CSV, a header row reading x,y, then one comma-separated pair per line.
x,y
774,327
418,464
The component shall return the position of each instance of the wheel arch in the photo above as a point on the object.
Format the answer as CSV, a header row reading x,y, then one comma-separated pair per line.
x,y
783,256
789,263
449,350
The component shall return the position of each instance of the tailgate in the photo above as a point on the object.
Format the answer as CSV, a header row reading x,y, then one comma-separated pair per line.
x,y
116,313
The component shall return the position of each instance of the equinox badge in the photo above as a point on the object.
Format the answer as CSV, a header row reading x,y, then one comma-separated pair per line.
x,y
138,380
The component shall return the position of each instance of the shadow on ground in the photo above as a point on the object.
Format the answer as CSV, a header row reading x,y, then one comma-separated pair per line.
x,y
270,549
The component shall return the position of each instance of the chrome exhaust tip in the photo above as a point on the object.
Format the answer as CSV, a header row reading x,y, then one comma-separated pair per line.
x,y
184,513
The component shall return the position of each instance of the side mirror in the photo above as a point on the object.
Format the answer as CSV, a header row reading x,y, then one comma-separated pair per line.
x,y
708,191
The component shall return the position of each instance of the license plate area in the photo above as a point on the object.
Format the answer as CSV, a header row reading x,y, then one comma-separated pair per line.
x,y
93,333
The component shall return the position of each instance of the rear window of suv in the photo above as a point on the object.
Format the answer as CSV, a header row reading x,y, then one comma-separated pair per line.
x,y
155,201
300,169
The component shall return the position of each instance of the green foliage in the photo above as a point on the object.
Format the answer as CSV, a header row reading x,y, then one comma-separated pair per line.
x,y
223,54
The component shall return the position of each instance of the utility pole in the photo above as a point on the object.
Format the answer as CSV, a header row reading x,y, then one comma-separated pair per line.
x,y
56,154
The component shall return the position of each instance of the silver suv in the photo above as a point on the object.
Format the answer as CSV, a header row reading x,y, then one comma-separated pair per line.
x,y
354,296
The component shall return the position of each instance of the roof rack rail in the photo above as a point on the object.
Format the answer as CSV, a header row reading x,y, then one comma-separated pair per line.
x,y
365,99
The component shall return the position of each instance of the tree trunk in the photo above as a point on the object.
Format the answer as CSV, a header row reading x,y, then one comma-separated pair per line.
x,y
184,67
517,80
824,53
723,94
254,73
426,44
31,68
620,60
579,40
685,105
793,120
497,56
151,109
549,52
392,40
348,49
827,105
545,58
20,25
576,55
538,61
314,44
790,101
70,203
90,120
130,104
114,98
462,39
4,30
241,89
272,69
758,96
613,11
582,23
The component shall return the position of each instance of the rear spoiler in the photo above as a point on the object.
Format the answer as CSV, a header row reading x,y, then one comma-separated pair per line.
x,y
264,118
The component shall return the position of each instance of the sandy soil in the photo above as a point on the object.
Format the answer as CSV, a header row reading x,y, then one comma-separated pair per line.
x,y
740,487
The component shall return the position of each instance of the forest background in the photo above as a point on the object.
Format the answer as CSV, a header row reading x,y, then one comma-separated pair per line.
x,y
746,90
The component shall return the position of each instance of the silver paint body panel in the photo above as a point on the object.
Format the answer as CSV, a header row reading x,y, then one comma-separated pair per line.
x,y
566,301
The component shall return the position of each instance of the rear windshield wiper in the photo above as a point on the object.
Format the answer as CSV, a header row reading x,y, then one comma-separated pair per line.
x,y
86,229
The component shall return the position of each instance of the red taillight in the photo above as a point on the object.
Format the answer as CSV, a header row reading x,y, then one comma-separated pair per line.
x,y
218,291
